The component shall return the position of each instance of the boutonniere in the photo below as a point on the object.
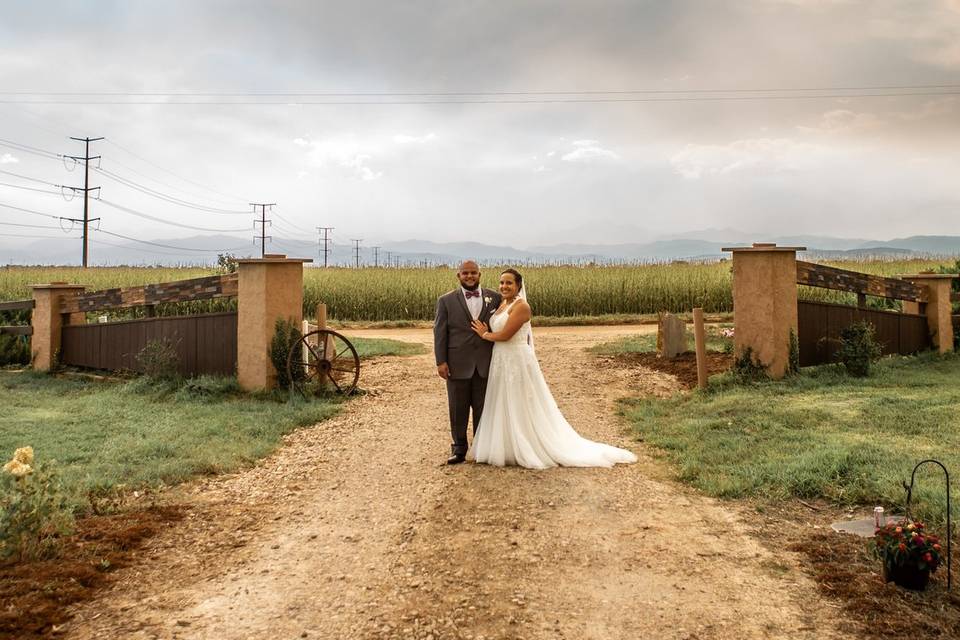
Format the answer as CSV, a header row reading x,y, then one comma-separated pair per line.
x,y
487,299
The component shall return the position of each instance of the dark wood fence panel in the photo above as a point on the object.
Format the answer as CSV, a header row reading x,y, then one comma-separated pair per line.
x,y
17,305
205,344
818,275
206,288
819,326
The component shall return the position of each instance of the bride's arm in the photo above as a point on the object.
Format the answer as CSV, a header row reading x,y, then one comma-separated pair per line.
x,y
517,316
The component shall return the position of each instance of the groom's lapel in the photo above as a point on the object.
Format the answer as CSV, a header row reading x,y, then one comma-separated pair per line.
x,y
485,310
463,304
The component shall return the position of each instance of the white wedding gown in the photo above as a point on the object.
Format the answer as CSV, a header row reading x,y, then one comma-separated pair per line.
x,y
521,423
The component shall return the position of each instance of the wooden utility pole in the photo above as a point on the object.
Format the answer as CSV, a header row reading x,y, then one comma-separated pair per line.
x,y
86,192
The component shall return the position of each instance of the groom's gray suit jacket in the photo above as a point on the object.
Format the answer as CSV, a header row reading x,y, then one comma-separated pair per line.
x,y
455,342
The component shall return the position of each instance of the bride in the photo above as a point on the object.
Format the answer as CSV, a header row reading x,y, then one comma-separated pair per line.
x,y
521,423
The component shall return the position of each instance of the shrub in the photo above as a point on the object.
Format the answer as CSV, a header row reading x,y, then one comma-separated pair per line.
x,y
285,335
14,349
858,348
748,368
208,388
33,508
159,360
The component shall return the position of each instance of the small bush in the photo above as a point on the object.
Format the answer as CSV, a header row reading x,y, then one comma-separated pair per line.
x,y
858,348
286,334
208,388
793,362
159,360
748,368
34,514
14,350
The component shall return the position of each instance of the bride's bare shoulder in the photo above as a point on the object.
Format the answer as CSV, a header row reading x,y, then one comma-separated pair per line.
x,y
520,305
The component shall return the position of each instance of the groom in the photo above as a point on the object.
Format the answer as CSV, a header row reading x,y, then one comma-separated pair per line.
x,y
463,358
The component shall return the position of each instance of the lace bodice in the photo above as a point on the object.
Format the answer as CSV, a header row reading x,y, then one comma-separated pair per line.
x,y
499,320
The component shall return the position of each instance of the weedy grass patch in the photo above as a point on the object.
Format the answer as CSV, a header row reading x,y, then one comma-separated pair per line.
x,y
144,433
819,434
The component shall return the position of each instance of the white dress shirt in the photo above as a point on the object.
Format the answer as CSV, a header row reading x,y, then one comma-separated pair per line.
x,y
474,303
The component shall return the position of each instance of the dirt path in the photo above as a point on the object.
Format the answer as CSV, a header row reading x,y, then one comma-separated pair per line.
x,y
355,529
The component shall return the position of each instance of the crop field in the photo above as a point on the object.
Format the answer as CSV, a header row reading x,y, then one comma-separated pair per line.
x,y
370,294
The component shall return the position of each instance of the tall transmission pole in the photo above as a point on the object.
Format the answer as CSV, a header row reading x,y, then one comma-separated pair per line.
x,y
388,260
263,225
356,249
376,256
326,242
86,191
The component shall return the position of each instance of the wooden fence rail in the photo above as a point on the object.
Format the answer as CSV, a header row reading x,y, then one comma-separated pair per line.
x,y
818,275
17,305
206,288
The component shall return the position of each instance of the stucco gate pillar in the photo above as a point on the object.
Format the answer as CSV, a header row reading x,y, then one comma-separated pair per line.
x,y
938,307
268,288
765,303
47,321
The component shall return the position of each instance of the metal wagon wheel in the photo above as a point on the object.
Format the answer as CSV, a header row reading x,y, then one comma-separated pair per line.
x,y
323,361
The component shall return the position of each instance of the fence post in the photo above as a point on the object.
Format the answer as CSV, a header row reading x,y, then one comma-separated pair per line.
x,y
47,321
700,343
765,303
268,289
938,307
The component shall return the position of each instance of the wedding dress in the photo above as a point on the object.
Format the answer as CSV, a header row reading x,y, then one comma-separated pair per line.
x,y
521,423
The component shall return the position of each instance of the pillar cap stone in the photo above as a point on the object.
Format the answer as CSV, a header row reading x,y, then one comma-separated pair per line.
x,y
271,258
763,246
57,285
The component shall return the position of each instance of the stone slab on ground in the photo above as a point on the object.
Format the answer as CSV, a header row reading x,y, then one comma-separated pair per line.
x,y
671,336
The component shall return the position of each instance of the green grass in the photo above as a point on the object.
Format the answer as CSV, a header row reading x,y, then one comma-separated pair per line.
x,y
142,433
370,347
647,343
820,434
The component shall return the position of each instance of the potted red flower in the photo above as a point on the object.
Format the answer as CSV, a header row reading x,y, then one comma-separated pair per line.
x,y
908,552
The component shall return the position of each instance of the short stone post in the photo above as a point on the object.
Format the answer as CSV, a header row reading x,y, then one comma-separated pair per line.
x,y
671,336
938,306
268,289
765,303
47,321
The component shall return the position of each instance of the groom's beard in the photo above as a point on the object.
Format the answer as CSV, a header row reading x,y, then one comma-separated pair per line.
x,y
473,288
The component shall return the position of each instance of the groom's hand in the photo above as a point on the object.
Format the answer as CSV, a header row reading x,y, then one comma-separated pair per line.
x,y
443,370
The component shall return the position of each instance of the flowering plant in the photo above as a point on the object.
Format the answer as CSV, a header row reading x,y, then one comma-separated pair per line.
x,y
34,514
907,544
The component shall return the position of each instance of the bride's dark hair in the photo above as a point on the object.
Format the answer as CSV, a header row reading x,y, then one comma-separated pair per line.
x,y
516,276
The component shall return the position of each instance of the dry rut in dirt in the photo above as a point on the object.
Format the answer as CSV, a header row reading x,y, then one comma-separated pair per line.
x,y
355,529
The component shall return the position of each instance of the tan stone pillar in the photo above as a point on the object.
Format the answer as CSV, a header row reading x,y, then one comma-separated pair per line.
x,y
47,321
268,288
938,307
765,303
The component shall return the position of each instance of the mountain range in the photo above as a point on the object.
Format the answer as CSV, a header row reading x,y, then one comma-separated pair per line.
x,y
703,245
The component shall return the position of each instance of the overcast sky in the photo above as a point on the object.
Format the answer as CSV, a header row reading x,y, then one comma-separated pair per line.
x,y
515,174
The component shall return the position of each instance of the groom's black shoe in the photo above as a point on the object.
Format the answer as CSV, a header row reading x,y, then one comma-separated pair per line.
x,y
456,458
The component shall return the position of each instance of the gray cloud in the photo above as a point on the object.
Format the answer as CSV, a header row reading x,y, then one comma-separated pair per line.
x,y
504,173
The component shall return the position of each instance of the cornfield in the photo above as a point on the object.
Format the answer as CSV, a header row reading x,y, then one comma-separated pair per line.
x,y
372,294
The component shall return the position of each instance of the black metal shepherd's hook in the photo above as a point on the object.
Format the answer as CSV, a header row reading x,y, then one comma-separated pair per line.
x,y
909,489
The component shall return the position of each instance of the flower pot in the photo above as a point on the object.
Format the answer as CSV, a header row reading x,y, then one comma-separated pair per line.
x,y
907,576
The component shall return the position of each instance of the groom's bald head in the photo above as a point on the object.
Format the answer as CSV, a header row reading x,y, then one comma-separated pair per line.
x,y
468,273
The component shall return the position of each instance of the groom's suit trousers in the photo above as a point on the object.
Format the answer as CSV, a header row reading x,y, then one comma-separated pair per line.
x,y
465,395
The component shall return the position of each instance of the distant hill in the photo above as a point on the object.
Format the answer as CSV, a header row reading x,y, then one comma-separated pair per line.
x,y
203,250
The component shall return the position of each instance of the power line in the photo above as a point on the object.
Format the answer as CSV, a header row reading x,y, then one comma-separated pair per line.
x,y
576,100
179,177
20,235
166,184
20,186
10,144
23,177
167,198
168,222
167,246
35,226
332,94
